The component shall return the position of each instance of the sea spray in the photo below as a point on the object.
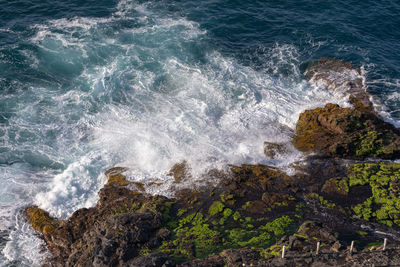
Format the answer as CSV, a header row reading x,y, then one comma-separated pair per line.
x,y
149,85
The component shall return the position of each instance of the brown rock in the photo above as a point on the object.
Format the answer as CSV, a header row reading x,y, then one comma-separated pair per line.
x,y
112,233
180,171
335,186
116,177
347,133
271,150
315,232
336,246
210,261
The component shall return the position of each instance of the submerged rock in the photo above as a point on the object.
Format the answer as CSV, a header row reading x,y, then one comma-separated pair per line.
x,y
340,76
272,150
180,171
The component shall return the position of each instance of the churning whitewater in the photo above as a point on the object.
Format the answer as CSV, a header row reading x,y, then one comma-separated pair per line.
x,y
137,88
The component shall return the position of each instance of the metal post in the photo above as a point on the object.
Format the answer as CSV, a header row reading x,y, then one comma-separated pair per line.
x,y
318,245
283,252
384,243
351,247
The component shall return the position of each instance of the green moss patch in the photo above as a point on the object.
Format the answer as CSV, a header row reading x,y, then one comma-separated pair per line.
x,y
198,235
384,180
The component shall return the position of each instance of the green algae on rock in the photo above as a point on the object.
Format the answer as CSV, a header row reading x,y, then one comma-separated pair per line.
x,y
384,181
250,215
196,224
236,215
336,186
347,133
41,220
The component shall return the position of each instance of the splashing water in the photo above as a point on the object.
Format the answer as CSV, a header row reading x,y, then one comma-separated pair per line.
x,y
136,88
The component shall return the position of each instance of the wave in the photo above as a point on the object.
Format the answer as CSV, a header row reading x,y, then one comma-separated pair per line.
x,y
145,91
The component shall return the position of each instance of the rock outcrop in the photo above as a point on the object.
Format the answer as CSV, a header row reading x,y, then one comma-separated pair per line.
x,y
340,76
247,218
353,133
255,210
347,133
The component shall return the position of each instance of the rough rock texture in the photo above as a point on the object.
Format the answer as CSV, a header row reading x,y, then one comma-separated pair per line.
x,y
115,231
333,131
346,132
246,219
255,210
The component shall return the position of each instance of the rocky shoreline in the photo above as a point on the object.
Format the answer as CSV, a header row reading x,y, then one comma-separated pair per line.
x,y
345,191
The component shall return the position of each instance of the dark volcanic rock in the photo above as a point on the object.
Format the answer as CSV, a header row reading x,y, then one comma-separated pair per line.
x,y
246,219
113,232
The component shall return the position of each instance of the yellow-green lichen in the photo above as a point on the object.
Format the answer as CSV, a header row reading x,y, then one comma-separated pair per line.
x,y
215,208
41,220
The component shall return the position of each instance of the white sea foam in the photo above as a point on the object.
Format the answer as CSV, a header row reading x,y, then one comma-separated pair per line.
x,y
219,114
24,245
74,188
210,115
136,99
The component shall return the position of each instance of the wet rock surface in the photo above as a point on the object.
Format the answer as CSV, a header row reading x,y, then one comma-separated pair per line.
x,y
347,133
246,219
340,76
255,210
273,150
333,131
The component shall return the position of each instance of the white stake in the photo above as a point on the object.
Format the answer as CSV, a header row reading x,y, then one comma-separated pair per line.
x,y
384,243
351,247
283,252
318,245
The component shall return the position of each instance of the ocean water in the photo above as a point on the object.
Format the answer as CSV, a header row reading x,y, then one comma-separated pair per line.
x,y
88,85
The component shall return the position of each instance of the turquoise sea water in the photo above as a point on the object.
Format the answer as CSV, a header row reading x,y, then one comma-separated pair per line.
x,y
87,85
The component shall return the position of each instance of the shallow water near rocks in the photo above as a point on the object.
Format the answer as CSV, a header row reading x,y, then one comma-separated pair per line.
x,y
145,85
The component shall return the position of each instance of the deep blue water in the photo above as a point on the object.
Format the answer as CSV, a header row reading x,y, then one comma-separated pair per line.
x,y
87,85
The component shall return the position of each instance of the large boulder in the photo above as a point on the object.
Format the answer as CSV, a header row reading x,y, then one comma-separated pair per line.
x,y
119,228
346,132
333,131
